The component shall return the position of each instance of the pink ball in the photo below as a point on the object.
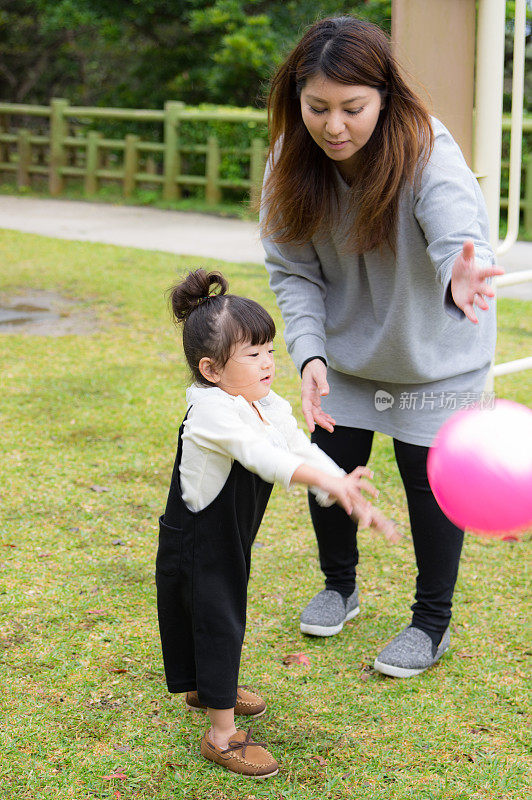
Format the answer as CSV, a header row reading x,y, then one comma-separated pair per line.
x,y
480,469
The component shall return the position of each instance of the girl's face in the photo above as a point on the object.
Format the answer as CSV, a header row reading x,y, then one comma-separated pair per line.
x,y
340,118
249,371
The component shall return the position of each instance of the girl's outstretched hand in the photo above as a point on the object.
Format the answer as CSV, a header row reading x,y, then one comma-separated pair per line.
x,y
348,493
380,523
366,514
468,282
314,386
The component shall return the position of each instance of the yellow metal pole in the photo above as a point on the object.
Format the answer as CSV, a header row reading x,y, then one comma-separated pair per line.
x,y
516,135
488,107
435,43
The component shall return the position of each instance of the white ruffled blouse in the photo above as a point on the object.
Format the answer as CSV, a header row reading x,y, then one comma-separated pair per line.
x,y
221,428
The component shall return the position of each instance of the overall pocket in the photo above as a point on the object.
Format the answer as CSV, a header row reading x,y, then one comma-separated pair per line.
x,y
169,551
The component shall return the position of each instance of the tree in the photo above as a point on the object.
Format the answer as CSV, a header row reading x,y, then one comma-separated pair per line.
x,y
143,52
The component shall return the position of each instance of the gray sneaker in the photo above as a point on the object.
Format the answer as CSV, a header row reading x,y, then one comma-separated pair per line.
x,y
410,653
327,611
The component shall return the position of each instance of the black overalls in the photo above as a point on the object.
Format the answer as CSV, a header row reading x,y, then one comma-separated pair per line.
x,y
202,572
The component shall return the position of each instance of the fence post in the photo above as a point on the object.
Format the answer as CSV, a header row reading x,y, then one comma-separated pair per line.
x,y
130,164
24,159
57,149
256,169
91,163
527,216
4,128
74,151
213,194
172,156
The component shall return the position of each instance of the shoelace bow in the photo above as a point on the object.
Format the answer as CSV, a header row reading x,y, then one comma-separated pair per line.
x,y
248,742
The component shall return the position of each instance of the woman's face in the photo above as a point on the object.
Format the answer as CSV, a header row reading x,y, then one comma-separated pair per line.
x,y
340,118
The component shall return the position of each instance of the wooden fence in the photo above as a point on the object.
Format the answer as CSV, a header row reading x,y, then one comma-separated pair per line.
x,y
59,155
66,151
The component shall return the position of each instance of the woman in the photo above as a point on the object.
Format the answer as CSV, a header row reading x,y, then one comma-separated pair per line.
x,y
377,246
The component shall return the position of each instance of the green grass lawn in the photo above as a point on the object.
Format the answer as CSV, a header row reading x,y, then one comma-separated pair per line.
x,y
83,693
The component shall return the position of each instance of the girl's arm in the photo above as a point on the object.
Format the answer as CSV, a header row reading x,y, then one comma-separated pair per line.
x,y
220,427
327,473
347,489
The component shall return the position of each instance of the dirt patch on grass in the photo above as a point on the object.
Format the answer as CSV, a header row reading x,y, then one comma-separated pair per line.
x,y
44,313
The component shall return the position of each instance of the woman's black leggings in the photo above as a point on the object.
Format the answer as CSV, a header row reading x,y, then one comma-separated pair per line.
x,y
437,542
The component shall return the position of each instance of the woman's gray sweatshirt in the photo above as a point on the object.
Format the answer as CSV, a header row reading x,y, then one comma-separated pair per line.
x,y
385,322
391,319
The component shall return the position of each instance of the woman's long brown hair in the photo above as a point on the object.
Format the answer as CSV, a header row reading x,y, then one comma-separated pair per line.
x,y
298,195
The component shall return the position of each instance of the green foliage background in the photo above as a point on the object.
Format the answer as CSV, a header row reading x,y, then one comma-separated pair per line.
x,y
140,53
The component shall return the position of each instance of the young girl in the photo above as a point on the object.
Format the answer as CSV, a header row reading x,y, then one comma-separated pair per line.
x,y
237,439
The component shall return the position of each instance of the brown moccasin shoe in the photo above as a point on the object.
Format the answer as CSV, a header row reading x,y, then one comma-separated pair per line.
x,y
243,756
248,703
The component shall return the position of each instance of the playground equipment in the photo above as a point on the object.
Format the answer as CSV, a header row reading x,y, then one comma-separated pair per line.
x,y
456,65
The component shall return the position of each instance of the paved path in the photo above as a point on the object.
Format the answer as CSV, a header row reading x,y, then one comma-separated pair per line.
x,y
173,231
135,226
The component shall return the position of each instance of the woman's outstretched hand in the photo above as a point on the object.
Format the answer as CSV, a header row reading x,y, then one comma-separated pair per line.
x,y
468,282
314,386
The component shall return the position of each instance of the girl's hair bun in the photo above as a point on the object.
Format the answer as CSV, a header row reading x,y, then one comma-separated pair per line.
x,y
198,287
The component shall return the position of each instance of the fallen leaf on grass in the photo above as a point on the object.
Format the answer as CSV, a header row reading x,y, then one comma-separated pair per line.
x,y
120,776
465,757
366,673
321,761
296,658
97,488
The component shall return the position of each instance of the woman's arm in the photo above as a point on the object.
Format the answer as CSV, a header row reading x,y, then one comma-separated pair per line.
x,y
297,282
468,282
450,208
314,386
